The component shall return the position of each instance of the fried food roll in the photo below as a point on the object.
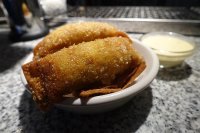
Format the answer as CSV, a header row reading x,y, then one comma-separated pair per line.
x,y
75,33
93,64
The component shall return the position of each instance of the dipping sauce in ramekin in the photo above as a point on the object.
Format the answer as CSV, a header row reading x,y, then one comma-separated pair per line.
x,y
171,48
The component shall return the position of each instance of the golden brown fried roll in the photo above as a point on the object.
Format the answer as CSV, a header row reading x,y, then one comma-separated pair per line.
x,y
75,33
94,64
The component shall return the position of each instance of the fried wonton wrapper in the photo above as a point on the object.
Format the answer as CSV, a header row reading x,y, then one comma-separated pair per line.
x,y
94,64
125,81
75,33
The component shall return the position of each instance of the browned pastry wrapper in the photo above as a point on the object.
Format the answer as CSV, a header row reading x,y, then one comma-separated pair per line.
x,y
94,64
126,80
72,34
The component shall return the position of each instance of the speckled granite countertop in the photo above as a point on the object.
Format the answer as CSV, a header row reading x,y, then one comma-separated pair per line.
x,y
170,104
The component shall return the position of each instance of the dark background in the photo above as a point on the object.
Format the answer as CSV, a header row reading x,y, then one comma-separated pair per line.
x,y
186,3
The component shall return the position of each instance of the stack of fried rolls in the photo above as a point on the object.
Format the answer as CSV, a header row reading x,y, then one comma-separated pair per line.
x,y
82,59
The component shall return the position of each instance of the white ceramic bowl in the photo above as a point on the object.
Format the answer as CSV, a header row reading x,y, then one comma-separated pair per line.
x,y
111,101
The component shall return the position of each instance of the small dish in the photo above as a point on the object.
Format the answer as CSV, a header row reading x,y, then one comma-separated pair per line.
x,y
111,101
172,48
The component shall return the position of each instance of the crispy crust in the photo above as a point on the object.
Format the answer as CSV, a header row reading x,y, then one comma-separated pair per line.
x,y
75,33
135,73
99,91
128,79
78,66
42,80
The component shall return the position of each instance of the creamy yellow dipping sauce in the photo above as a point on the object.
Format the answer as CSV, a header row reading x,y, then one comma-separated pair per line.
x,y
168,43
171,50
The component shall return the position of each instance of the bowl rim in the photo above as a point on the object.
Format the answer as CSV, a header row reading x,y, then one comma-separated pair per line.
x,y
130,91
172,34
